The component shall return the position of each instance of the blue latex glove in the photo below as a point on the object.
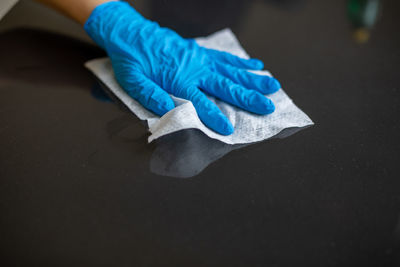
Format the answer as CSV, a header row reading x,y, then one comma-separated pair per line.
x,y
151,62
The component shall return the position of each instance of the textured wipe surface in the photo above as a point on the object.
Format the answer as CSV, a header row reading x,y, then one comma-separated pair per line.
x,y
249,127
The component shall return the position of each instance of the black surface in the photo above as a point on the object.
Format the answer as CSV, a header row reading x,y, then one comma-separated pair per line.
x,y
77,188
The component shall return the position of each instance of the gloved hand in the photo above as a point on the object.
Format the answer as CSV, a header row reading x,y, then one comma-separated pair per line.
x,y
151,62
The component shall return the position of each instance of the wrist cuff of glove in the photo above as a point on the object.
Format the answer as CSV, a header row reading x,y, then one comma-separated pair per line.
x,y
105,17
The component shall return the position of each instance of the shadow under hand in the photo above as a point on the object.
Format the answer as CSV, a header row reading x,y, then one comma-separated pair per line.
x,y
187,153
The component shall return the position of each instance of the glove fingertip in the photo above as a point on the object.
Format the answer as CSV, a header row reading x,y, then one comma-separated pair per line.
x,y
225,127
262,105
256,64
270,85
274,85
216,121
221,124
162,106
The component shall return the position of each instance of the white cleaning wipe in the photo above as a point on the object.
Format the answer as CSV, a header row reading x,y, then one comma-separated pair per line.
x,y
249,127
5,6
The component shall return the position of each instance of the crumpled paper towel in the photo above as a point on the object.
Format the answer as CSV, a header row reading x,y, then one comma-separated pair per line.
x,y
248,127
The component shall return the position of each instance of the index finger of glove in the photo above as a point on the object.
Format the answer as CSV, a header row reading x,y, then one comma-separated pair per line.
x,y
207,111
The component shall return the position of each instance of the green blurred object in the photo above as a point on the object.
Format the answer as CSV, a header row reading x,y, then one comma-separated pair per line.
x,y
363,13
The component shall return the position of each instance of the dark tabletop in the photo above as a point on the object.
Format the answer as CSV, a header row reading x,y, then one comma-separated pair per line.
x,y
80,186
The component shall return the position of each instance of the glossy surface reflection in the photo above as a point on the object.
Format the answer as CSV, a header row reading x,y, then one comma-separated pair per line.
x,y
76,186
187,153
